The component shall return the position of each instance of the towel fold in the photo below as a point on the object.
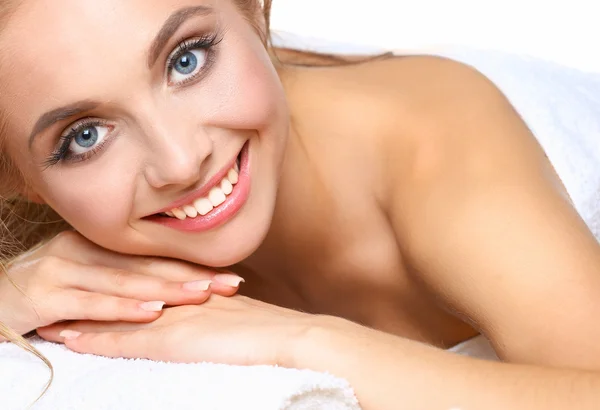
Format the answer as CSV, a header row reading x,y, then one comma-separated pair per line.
x,y
478,347
85,382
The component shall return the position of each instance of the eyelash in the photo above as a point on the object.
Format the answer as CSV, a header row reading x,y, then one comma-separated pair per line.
x,y
62,151
206,42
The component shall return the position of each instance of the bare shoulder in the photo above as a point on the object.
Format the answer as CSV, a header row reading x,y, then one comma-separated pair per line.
x,y
448,137
420,119
427,103
457,125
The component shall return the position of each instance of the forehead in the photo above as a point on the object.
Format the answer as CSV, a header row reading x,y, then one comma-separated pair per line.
x,y
47,14
77,29
39,24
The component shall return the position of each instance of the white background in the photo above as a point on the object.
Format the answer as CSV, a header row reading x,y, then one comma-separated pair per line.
x,y
563,31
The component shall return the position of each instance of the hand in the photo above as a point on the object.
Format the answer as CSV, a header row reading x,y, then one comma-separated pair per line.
x,y
237,330
70,278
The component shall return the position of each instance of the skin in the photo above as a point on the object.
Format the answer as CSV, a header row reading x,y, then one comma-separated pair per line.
x,y
428,215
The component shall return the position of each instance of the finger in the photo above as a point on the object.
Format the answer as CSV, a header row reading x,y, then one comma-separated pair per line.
x,y
226,284
169,269
128,345
82,250
73,246
125,284
81,305
52,333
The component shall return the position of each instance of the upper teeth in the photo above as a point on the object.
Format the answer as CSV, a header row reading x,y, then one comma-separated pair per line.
x,y
216,196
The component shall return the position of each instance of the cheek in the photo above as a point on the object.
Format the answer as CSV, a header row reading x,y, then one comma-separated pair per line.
x,y
94,203
249,95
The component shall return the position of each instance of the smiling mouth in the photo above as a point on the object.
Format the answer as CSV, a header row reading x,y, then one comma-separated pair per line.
x,y
205,205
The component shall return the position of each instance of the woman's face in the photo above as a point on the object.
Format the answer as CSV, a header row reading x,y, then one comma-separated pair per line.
x,y
124,112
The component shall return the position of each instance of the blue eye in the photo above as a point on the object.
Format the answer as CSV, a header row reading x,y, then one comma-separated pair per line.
x,y
86,139
81,141
186,66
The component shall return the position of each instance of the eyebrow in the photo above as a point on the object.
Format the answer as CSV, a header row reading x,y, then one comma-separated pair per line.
x,y
60,114
170,28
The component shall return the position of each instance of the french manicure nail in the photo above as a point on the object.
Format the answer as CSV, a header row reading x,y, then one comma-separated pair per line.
x,y
198,286
152,306
229,279
69,334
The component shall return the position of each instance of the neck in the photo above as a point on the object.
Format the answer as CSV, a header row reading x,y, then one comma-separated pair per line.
x,y
297,217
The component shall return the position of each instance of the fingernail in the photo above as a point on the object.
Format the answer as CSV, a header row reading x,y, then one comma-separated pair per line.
x,y
229,279
152,306
69,334
198,286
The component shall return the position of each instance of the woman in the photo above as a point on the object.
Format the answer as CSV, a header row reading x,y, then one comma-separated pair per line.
x,y
379,212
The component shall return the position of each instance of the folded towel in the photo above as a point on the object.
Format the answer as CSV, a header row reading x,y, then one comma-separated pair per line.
x,y
478,347
85,382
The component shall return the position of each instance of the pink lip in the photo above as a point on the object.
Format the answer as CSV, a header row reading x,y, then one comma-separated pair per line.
x,y
202,191
221,214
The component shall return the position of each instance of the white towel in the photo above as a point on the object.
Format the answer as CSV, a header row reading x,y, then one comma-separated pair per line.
x,y
85,382
478,347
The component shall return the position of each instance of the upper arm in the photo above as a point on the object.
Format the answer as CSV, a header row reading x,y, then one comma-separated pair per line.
x,y
485,223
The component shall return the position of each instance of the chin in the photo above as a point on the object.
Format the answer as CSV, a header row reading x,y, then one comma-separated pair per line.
x,y
230,252
229,245
225,245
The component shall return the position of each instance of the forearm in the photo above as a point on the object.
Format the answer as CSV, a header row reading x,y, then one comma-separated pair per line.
x,y
389,372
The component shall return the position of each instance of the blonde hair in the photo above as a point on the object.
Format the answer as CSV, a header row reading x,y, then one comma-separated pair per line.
x,y
22,225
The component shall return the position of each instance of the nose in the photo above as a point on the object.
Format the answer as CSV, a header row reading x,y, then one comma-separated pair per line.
x,y
176,156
